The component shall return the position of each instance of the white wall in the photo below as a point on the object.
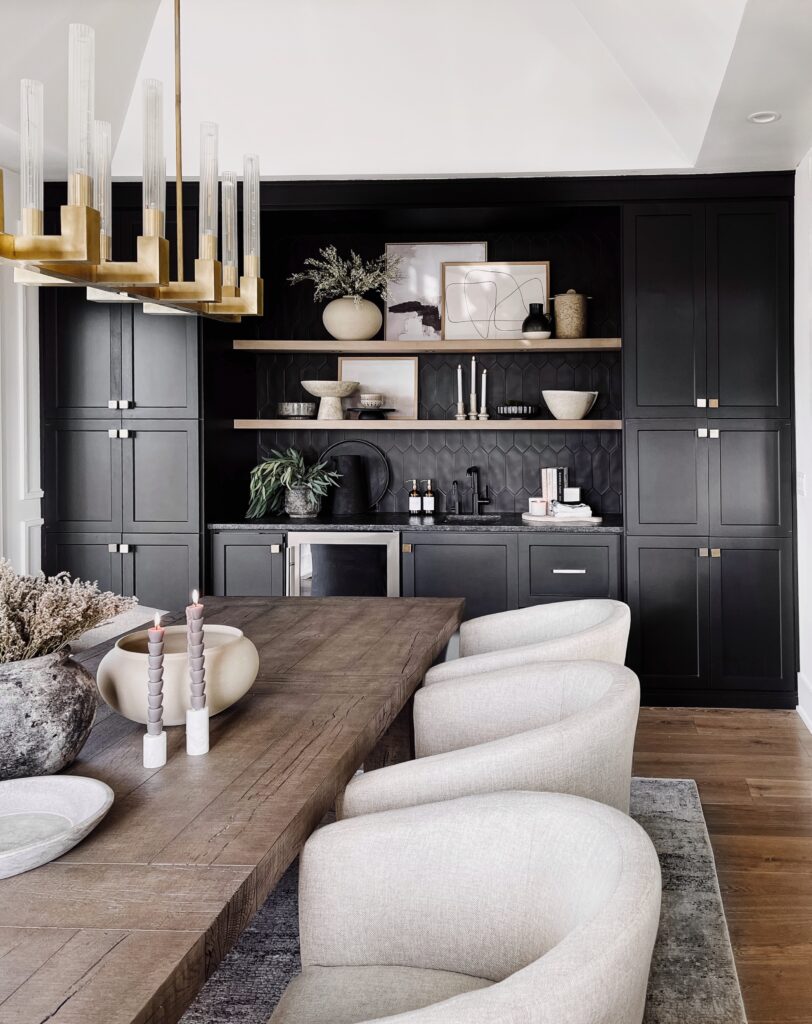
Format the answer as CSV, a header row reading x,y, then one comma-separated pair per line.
x,y
20,493
803,423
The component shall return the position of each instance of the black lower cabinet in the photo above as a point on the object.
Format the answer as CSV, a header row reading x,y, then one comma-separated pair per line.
x,y
248,564
713,621
567,567
86,556
161,570
482,568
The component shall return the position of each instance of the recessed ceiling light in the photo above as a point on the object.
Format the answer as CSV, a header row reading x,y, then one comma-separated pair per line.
x,y
764,117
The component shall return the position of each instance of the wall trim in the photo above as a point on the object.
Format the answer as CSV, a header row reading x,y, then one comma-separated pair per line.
x,y
30,544
804,708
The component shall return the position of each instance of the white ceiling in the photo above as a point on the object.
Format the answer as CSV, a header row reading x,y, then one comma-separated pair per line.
x,y
362,88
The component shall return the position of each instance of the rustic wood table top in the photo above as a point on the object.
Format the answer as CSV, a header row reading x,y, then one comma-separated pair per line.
x,y
129,924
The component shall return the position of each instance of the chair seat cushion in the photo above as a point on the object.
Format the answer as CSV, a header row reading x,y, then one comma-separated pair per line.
x,y
347,995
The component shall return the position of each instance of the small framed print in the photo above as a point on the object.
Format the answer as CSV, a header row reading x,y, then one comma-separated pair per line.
x,y
394,377
492,300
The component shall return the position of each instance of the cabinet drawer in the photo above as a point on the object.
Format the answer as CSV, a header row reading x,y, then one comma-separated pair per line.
x,y
567,568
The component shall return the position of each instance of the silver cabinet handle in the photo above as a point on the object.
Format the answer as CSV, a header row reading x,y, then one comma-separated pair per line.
x,y
112,433
713,403
275,549
112,404
716,552
701,403
112,548
123,433
702,432
703,552
714,433
569,572
124,549
124,403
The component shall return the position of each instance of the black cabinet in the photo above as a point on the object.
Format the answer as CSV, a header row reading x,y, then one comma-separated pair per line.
x,y
481,567
564,567
666,477
161,570
750,478
248,563
160,473
712,615
87,556
159,366
82,473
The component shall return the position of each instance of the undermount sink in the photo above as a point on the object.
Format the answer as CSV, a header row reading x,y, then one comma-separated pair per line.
x,y
461,517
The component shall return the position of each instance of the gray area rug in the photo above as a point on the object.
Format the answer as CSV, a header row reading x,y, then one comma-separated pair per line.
x,y
693,976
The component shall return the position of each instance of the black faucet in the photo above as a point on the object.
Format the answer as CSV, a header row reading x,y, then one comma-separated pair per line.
x,y
455,498
476,501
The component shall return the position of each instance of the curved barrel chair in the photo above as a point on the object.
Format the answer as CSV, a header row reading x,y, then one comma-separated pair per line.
x,y
532,907
565,631
563,727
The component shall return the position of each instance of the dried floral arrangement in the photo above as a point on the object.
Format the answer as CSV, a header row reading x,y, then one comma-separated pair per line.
x,y
335,277
42,614
282,471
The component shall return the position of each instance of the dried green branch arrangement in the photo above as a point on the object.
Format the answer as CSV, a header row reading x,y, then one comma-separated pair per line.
x,y
42,614
334,277
281,472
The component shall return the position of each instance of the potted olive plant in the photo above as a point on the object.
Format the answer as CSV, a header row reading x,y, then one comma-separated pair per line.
x,y
47,700
285,480
349,316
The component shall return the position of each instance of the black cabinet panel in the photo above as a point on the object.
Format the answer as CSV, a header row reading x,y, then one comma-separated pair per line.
x,y
750,473
667,591
160,473
81,354
666,477
482,568
664,309
161,570
248,564
749,341
569,567
752,616
159,366
83,476
85,556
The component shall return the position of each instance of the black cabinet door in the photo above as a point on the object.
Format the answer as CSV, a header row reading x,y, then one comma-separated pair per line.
x,y
248,563
160,472
161,570
82,460
482,568
86,556
749,340
750,472
664,338
667,588
666,477
752,614
80,355
159,366
567,567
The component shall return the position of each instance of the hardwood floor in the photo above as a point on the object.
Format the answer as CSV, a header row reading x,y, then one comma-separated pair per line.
x,y
754,772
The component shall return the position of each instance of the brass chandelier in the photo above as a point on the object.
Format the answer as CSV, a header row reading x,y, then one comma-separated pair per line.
x,y
81,254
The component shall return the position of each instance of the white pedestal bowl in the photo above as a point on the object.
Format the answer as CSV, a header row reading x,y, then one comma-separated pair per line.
x,y
330,392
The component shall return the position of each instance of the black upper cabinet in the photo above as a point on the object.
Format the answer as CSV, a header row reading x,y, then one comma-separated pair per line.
x,y
750,478
161,492
82,470
664,309
159,366
749,343
707,310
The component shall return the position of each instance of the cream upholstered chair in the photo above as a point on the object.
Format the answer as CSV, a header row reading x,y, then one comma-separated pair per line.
x,y
565,631
537,908
563,727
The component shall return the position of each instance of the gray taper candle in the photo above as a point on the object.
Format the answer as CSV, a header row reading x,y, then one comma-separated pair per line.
x,y
155,680
194,643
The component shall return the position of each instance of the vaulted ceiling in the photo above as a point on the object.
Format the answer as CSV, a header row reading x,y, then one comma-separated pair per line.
x,y
362,88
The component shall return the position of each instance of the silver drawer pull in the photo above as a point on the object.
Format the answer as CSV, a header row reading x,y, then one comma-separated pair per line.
x,y
569,572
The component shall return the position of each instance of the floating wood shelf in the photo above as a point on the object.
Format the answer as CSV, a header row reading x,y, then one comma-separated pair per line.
x,y
379,347
428,424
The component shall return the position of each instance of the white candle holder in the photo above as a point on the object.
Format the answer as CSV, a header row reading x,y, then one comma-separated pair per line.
x,y
460,411
483,415
197,731
154,749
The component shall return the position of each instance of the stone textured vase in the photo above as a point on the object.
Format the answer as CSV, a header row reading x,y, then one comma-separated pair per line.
x,y
301,503
47,707
348,319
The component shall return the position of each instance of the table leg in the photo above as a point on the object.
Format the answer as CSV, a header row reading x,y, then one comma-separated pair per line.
x,y
397,743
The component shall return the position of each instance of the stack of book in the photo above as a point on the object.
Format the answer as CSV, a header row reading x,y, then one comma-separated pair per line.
x,y
553,481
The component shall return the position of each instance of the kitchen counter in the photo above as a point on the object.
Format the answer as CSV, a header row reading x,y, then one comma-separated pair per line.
x,y
509,522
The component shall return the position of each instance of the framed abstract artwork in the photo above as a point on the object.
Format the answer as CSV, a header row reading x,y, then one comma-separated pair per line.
x,y
394,377
414,303
491,300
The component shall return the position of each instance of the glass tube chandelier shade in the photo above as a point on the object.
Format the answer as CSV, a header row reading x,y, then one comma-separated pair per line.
x,y
32,144
103,183
208,190
81,93
154,162
250,214
229,198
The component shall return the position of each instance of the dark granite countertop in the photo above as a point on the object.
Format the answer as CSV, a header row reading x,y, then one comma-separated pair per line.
x,y
509,522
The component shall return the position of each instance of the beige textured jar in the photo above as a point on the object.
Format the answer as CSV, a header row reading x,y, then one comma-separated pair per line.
x,y
570,314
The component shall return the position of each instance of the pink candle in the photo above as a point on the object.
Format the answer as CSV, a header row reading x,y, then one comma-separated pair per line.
x,y
155,681
194,637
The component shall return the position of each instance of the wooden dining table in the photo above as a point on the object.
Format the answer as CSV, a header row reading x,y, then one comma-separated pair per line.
x,y
127,926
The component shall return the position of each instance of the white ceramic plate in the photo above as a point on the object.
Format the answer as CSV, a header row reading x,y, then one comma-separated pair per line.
x,y
43,817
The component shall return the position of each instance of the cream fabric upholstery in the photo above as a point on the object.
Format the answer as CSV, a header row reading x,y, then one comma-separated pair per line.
x,y
564,727
565,631
553,898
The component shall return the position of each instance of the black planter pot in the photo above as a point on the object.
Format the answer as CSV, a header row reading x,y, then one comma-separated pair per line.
x,y
537,324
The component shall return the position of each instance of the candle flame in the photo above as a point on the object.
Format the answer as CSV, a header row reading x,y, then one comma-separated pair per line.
x,y
195,597
157,620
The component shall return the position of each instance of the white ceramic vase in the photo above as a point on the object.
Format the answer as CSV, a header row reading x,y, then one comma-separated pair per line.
x,y
350,319
231,666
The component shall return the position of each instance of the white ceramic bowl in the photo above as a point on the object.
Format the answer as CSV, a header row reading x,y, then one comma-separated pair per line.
x,y
330,388
371,400
41,818
231,666
569,405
